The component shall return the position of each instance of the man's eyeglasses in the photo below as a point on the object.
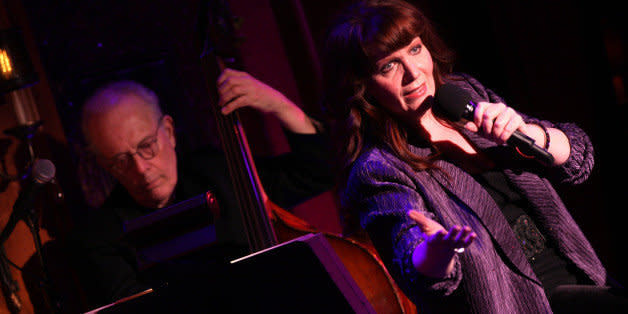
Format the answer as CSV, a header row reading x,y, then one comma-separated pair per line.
x,y
147,149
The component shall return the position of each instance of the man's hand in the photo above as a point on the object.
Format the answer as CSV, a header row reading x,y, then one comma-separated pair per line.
x,y
239,89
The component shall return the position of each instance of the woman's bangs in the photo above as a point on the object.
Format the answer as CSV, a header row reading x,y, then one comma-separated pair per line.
x,y
389,35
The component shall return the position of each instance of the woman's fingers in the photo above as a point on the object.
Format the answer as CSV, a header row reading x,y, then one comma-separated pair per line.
x,y
465,238
469,239
495,121
453,233
427,226
456,237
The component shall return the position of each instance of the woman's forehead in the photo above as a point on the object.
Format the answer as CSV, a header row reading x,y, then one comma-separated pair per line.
x,y
384,53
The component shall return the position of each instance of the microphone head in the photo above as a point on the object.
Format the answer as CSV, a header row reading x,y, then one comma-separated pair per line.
x,y
453,103
43,171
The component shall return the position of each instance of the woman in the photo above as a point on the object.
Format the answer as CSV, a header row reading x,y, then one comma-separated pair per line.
x,y
462,221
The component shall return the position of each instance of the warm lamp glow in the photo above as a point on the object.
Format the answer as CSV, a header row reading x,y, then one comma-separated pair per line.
x,y
5,63
16,68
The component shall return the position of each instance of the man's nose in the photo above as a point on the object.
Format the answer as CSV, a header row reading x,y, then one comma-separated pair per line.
x,y
139,164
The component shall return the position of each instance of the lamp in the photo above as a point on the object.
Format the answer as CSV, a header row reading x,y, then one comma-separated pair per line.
x,y
17,73
16,69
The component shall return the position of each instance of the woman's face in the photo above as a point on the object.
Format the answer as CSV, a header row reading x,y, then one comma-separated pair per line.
x,y
403,80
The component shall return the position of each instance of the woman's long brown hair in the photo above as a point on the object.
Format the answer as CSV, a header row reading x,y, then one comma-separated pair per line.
x,y
365,31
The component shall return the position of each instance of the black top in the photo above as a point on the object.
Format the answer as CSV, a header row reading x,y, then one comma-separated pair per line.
x,y
107,266
548,265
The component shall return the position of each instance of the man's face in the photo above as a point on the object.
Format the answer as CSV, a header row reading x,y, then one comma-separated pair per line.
x,y
138,149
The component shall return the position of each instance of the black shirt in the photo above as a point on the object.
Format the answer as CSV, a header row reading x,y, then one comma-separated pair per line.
x,y
108,266
548,265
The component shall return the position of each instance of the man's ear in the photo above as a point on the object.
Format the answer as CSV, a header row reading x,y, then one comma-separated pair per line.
x,y
169,127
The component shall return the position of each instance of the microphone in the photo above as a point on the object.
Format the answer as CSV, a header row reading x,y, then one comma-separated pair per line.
x,y
42,172
455,104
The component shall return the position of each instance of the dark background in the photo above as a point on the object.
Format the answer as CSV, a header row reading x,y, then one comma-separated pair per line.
x,y
564,61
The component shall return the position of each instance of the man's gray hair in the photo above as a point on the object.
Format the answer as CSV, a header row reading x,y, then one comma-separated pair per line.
x,y
109,96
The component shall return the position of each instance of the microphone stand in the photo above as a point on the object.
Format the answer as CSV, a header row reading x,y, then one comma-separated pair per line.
x,y
26,133
31,218
32,221
9,286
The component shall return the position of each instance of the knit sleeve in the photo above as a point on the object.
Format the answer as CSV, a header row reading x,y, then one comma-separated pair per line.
x,y
383,195
581,159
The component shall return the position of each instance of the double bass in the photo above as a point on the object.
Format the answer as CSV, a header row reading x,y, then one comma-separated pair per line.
x,y
265,223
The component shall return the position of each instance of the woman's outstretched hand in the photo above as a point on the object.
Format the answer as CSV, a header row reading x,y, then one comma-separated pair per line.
x,y
434,256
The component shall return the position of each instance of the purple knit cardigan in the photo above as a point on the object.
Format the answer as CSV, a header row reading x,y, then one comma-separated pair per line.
x,y
383,188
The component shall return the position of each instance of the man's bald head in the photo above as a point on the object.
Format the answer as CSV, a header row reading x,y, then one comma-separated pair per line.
x,y
107,97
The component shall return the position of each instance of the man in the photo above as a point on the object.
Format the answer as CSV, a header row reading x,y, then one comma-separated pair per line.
x,y
135,142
